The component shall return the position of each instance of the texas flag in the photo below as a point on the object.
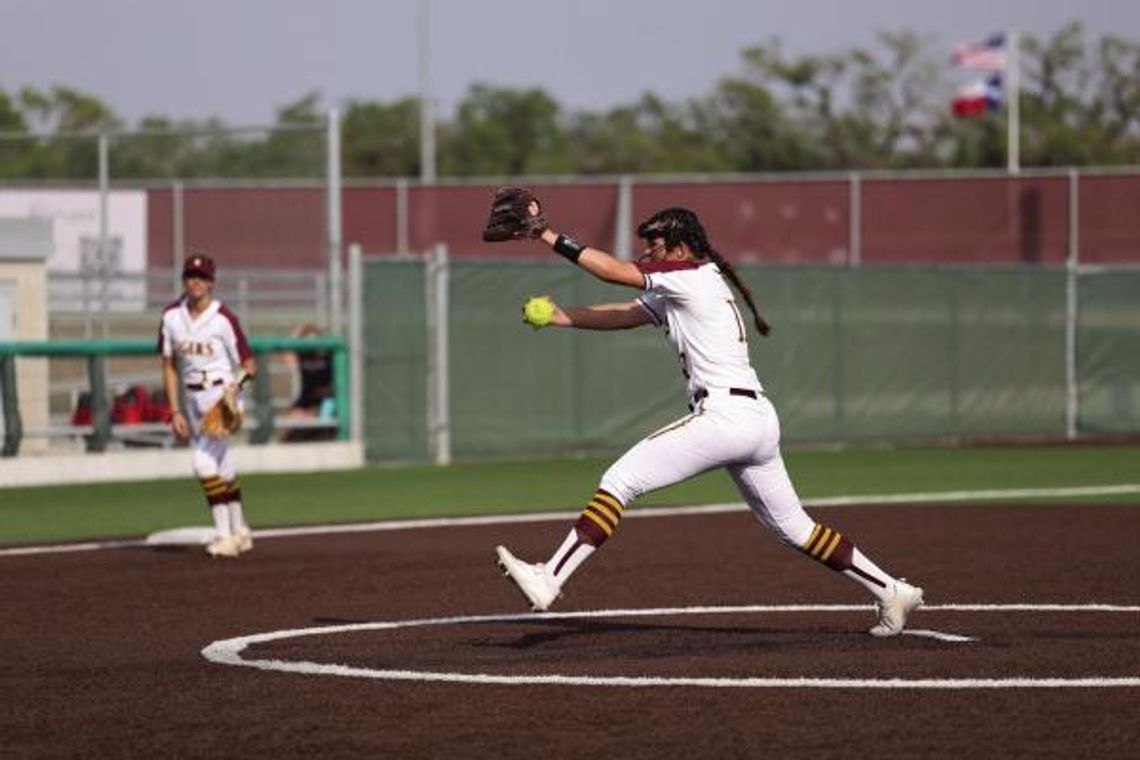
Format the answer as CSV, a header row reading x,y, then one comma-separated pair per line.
x,y
979,97
989,55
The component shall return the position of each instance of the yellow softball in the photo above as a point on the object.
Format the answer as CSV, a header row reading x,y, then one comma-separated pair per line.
x,y
538,311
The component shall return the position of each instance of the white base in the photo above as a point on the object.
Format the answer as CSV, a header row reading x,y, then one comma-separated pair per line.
x,y
112,466
194,536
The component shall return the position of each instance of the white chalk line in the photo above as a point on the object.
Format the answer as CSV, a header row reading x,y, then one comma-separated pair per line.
x,y
936,497
955,638
229,652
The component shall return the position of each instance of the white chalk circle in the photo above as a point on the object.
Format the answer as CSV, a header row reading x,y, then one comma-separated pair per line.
x,y
229,652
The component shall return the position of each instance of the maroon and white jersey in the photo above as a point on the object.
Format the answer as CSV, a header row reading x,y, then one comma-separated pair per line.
x,y
701,319
210,346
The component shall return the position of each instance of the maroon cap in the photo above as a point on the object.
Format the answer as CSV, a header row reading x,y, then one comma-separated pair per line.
x,y
199,266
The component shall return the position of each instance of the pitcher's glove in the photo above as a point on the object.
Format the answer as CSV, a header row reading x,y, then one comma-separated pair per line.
x,y
515,215
224,418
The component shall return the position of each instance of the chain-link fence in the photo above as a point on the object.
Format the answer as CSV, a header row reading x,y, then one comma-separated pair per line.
x,y
127,209
836,257
871,354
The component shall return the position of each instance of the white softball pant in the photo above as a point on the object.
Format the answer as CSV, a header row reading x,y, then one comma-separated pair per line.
x,y
211,455
738,433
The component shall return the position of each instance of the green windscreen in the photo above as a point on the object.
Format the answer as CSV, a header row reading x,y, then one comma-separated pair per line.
x,y
908,353
898,353
395,361
1108,352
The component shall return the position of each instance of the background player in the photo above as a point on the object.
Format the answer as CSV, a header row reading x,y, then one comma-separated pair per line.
x,y
732,424
202,343
315,399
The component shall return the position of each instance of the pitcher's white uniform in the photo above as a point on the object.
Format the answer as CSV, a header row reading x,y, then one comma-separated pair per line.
x,y
209,347
732,423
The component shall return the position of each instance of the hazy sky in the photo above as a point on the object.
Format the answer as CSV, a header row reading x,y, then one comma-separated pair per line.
x,y
241,59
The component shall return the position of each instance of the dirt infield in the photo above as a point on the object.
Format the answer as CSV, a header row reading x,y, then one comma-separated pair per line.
x,y
103,650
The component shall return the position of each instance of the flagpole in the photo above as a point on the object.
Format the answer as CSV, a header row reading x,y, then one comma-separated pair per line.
x,y
1013,100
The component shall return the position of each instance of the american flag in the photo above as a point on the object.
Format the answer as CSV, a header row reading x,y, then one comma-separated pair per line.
x,y
989,55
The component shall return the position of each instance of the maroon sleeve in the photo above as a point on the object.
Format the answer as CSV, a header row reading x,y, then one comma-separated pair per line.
x,y
243,349
162,323
648,267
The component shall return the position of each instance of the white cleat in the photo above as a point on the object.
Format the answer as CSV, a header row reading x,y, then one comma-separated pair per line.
x,y
533,581
894,610
244,539
223,546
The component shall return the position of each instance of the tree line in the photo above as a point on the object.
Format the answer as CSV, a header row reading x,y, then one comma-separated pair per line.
x,y
886,107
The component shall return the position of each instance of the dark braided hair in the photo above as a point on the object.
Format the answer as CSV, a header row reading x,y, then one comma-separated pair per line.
x,y
680,225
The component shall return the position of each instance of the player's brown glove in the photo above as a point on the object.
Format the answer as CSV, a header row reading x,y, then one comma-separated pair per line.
x,y
515,215
224,418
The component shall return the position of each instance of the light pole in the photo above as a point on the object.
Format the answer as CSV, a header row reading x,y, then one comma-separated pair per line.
x,y
427,115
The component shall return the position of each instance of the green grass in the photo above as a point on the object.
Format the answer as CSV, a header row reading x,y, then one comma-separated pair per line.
x,y
381,493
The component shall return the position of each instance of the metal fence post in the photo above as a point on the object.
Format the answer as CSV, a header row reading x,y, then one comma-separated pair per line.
x,y
855,221
13,427
100,404
402,244
333,183
322,299
356,341
623,244
104,254
263,395
85,274
438,391
427,101
1072,263
430,369
178,221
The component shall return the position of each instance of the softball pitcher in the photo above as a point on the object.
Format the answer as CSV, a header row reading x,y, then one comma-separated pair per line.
x,y
731,423
205,338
